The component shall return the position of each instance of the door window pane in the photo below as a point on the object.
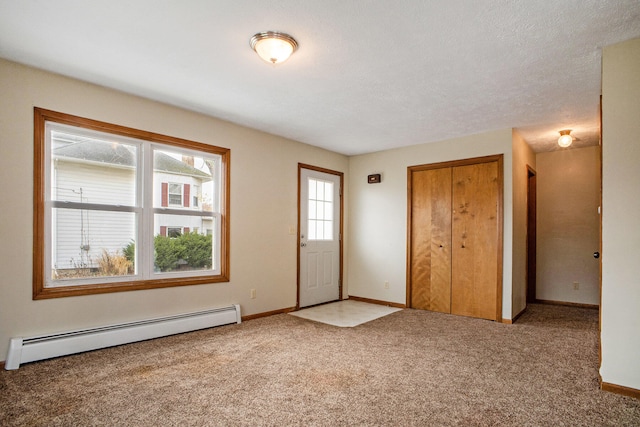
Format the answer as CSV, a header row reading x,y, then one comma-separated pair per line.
x,y
320,214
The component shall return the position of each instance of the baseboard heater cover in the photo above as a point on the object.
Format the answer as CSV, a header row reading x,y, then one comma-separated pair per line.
x,y
23,350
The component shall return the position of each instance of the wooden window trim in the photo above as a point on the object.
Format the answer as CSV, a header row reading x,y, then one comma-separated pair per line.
x,y
41,116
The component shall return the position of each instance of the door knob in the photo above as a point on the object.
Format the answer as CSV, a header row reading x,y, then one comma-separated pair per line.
x,y
303,244
596,255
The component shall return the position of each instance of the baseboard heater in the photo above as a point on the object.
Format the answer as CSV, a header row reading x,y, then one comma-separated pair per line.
x,y
23,350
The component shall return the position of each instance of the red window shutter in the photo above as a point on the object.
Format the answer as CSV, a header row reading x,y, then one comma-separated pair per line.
x,y
165,197
187,195
163,230
186,230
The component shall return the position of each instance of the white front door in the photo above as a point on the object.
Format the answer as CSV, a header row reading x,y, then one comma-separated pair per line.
x,y
319,243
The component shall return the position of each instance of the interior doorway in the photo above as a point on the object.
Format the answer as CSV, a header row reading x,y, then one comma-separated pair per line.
x,y
531,235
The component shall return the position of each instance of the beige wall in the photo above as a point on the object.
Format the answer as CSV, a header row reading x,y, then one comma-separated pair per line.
x,y
523,156
378,213
620,308
568,231
263,180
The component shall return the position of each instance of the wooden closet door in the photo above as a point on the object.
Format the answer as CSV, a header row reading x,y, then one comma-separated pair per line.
x,y
476,241
431,240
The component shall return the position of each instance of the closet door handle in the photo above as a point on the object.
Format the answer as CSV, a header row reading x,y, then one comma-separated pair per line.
x,y
596,255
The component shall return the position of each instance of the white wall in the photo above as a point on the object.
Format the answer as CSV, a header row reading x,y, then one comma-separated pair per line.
x,y
620,309
378,213
568,187
523,156
264,172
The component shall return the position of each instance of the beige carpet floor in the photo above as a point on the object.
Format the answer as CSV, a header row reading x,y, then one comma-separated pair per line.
x,y
410,368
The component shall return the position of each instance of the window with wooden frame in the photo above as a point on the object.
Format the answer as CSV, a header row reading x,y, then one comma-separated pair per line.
x,y
112,208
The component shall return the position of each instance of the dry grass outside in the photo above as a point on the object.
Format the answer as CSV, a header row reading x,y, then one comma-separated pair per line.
x,y
109,264
114,264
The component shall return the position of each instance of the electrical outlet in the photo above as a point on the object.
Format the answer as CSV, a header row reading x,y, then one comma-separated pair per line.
x,y
253,293
576,286
386,285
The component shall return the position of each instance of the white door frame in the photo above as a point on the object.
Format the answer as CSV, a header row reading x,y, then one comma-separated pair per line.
x,y
302,166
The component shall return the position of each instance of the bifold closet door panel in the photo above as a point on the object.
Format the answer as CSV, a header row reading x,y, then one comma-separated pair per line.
x,y
475,240
431,240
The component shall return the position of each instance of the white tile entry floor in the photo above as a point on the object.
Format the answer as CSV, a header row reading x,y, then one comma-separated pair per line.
x,y
345,313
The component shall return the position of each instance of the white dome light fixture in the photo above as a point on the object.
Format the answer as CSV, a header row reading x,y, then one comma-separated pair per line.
x,y
273,47
565,139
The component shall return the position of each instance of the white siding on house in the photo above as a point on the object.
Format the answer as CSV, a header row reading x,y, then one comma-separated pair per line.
x,y
92,183
82,235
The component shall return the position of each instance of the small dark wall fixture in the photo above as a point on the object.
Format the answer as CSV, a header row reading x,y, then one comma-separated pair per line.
x,y
374,179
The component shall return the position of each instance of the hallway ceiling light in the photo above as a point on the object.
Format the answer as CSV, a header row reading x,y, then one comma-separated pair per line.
x,y
273,47
565,139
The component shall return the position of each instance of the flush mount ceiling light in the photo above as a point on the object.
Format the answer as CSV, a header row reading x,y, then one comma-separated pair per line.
x,y
273,47
565,139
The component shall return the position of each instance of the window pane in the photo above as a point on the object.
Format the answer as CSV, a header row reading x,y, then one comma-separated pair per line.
x,y
328,211
90,170
320,210
311,229
90,243
319,230
328,191
174,232
179,247
328,230
312,210
312,188
196,195
320,194
175,194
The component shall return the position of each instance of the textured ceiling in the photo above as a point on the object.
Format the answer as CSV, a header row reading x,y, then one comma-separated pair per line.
x,y
368,75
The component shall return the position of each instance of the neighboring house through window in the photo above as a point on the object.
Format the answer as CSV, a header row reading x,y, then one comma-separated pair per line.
x,y
117,208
